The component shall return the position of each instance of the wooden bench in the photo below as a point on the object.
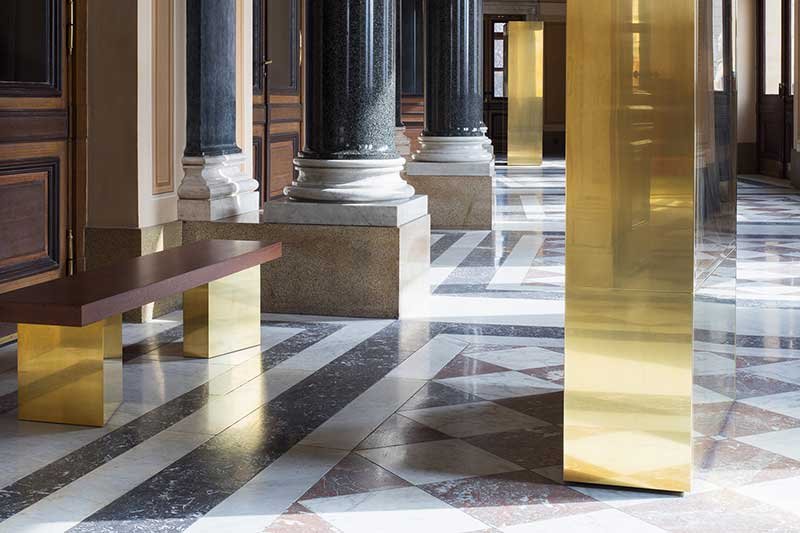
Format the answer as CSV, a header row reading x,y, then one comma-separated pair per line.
x,y
70,329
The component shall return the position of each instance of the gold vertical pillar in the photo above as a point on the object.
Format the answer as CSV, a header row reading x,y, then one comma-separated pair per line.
x,y
525,67
223,316
637,200
70,375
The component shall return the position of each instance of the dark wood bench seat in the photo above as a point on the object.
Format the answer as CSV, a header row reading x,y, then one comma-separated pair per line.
x,y
98,294
70,329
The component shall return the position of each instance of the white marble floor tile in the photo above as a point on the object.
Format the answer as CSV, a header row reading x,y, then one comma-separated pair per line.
x,y
702,395
605,521
433,462
66,507
359,418
334,345
222,412
469,419
786,442
512,272
447,262
499,385
500,340
782,493
506,311
402,510
262,499
788,371
521,358
786,403
426,362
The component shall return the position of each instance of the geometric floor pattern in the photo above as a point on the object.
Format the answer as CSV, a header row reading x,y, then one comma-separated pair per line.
x,y
445,424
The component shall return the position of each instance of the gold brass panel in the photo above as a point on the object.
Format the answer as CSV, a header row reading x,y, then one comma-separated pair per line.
x,y
525,67
223,316
70,375
650,255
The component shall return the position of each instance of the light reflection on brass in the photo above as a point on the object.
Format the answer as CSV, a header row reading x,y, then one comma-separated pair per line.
x,y
223,316
525,68
70,375
650,240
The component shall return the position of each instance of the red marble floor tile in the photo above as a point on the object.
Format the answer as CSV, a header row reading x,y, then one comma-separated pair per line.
x,y
730,463
548,407
530,448
467,366
298,519
738,420
352,475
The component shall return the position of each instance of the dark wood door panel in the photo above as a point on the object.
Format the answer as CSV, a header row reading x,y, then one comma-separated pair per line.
x,y
285,94
34,132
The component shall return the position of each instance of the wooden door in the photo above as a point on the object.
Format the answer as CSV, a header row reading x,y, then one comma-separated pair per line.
x,y
260,98
495,101
34,146
775,86
284,93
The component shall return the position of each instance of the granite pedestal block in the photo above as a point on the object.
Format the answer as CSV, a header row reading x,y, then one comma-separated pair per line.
x,y
457,198
351,260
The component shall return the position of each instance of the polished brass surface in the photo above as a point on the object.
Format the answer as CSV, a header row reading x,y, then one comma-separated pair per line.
x,y
646,203
223,316
70,375
525,67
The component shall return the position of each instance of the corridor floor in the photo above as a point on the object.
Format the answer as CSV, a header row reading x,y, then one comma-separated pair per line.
x,y
447,424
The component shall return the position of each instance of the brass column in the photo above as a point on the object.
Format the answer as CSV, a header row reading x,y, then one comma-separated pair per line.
x,y
651,236
525,92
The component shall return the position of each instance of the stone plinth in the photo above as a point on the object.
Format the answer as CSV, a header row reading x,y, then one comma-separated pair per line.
x,y
459,194
355,260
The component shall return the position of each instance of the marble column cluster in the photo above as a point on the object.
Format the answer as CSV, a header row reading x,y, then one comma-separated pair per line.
x,y
349,153
215,184
454,129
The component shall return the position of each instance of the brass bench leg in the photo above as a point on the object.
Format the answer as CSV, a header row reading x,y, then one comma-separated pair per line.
x,y
70,375
223,316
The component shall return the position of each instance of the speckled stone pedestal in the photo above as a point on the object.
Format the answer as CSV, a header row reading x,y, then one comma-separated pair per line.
x,y
338,269
457,202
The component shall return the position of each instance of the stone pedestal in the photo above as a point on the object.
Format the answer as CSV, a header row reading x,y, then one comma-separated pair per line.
x,y
459,194
357,260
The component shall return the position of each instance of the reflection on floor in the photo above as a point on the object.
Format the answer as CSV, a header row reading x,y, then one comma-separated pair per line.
x,y
447,425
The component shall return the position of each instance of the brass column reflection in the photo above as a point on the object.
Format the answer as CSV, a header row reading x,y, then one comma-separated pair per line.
x,y
525,67
650,236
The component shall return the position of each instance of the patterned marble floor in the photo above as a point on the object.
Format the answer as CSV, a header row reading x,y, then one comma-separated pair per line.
x,y
445,424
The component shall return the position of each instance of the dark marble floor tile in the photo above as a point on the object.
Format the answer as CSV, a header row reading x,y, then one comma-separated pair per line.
x,y
752,385
548,407
738,420
720,511
149,344
177,496
744,361
553,374
352,475
467,366
513,498
530,448
298,519
397,430
730,463
43,482
436,395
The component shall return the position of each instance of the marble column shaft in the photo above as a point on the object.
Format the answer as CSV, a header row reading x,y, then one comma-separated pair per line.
x,y
453,82
402,142
349,154
214,184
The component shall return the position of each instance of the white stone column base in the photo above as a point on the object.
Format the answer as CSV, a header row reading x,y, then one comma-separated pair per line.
x,y
402,141
349,180
216,187
453,149
489,146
